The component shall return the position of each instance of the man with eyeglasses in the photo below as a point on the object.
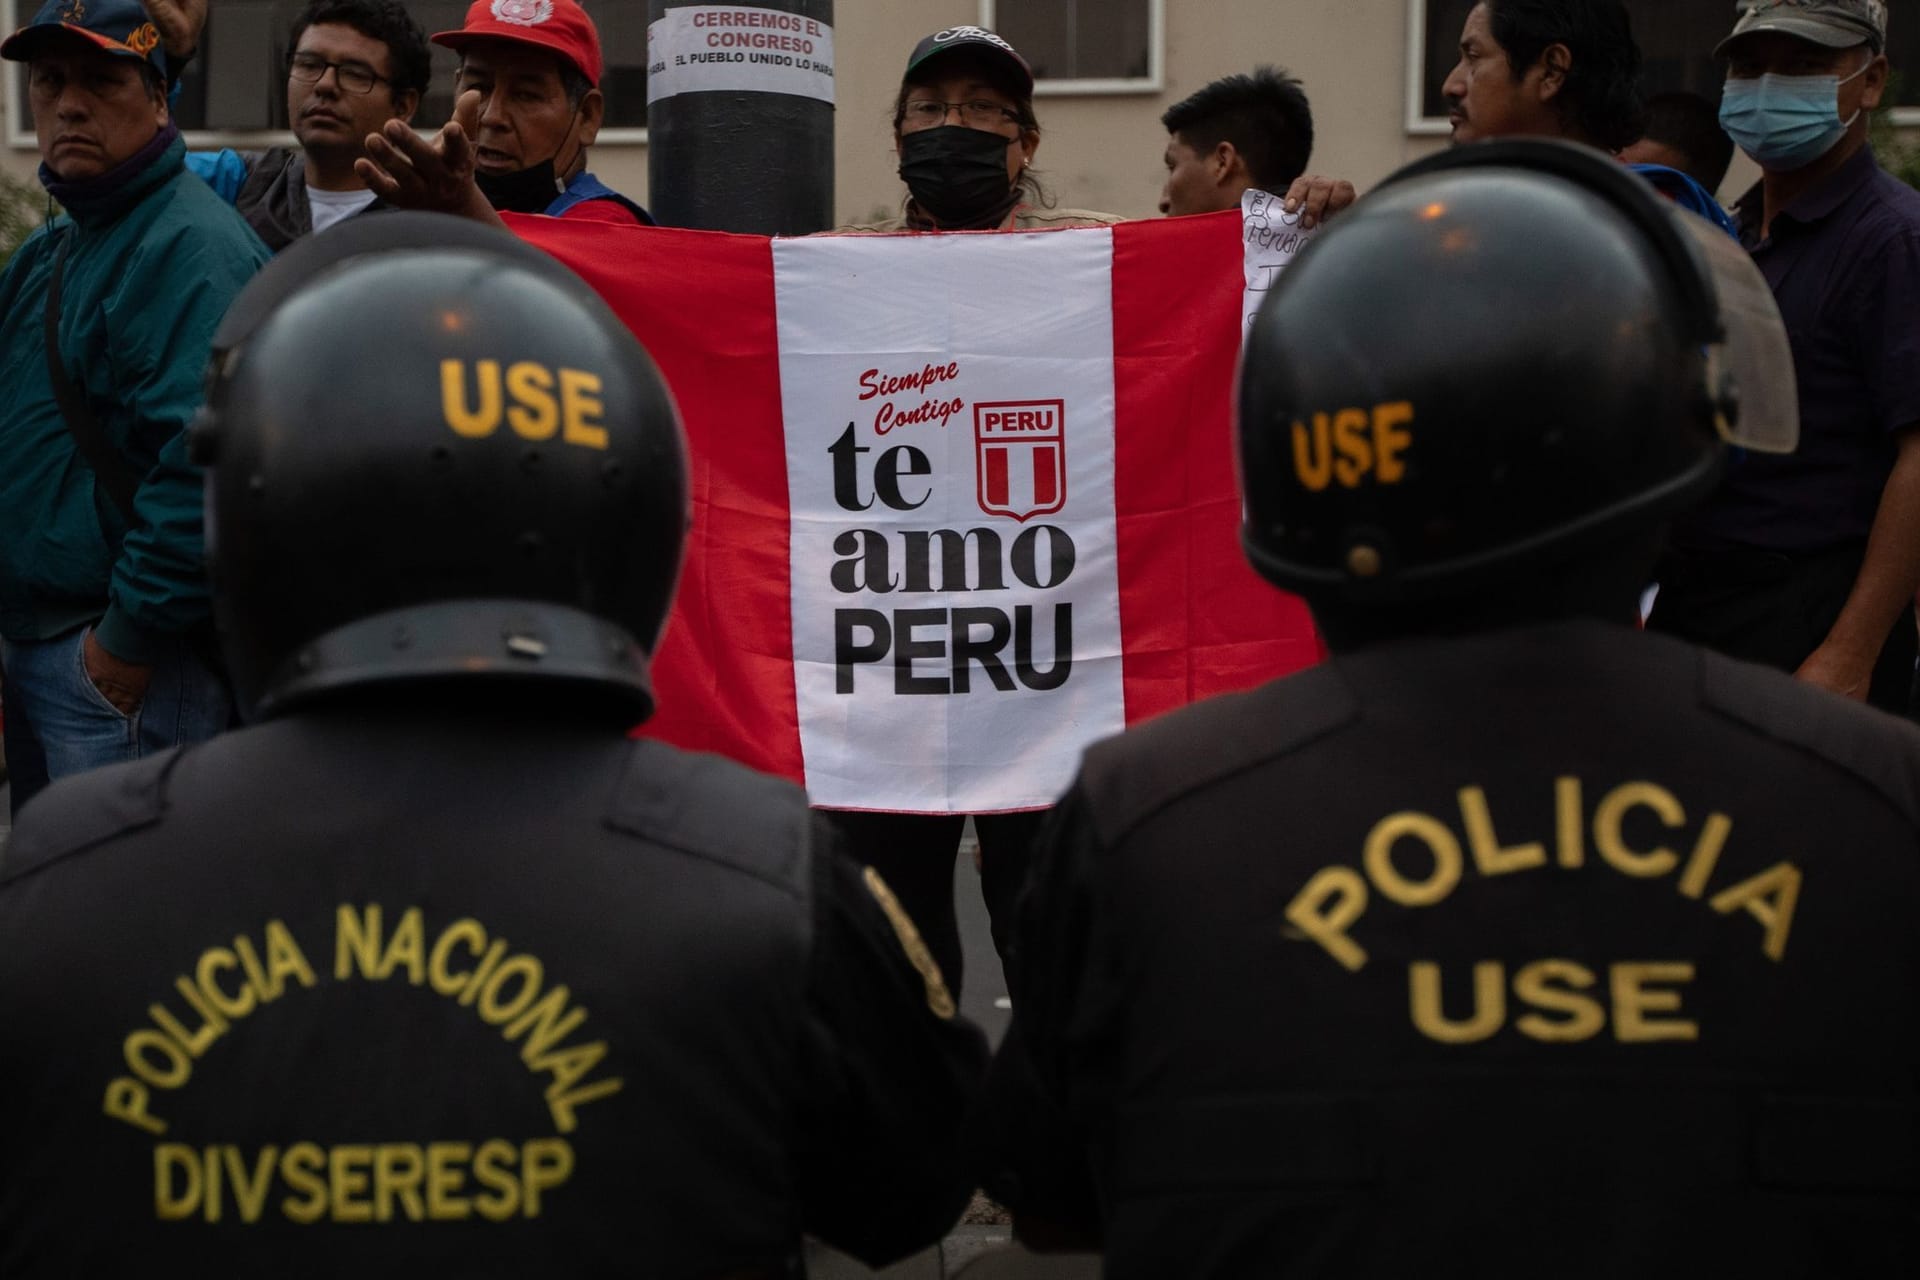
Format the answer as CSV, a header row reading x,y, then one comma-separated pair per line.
x,y
352,66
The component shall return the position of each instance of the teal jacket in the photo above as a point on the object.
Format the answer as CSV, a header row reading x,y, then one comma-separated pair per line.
x,y
153,265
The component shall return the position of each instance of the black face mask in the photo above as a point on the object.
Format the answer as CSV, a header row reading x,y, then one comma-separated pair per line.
x,y
529,190
524,190
958,176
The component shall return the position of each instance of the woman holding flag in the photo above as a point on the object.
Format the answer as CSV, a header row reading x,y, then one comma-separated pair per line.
x,y
964,128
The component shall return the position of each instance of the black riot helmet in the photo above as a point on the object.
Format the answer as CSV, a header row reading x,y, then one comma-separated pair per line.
x,y
433,455
1506,357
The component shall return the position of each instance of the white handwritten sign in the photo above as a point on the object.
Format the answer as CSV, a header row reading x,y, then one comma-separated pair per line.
x,y
1273,238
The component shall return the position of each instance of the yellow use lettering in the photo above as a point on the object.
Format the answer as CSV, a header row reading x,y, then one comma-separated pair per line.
x,y
1489,1003
462,416
1555,986
1638,989
535,414
1352,444
1391,439
1312,456
1635,996
474,407
1356,452
581,409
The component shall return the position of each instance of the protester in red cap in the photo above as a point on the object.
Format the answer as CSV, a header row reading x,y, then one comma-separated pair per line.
x,y
536,66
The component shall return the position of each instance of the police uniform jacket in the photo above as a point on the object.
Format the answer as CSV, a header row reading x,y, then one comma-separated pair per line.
x,y
1564,950
393,993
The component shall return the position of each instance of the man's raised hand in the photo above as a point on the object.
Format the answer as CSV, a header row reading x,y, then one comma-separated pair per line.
x,y
432,174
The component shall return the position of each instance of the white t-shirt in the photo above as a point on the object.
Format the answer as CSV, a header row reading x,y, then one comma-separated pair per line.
x,y
330,207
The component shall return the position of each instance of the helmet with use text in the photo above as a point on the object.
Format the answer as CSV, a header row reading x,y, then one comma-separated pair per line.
x,y
1508,357
434,455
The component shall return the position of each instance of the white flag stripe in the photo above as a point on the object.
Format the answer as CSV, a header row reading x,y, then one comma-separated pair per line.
x,y
949,407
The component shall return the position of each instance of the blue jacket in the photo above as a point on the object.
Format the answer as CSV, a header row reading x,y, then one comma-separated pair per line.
x,y
153,266
585,187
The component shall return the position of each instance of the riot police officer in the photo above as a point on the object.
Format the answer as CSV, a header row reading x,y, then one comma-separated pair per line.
x,y
431,970
1511,940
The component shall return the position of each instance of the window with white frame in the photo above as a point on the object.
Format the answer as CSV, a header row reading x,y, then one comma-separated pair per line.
x,y
237,83
1676,48
1084,46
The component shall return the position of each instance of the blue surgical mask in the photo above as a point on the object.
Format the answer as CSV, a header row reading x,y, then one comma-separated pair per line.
x,y
1786,122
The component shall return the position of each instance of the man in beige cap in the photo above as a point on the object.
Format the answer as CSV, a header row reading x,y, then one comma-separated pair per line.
x,y
1810,562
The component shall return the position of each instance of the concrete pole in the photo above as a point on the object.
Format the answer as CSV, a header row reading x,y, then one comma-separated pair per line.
x,y
740,115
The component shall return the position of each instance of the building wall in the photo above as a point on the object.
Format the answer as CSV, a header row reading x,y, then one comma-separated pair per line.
x,y
1104,151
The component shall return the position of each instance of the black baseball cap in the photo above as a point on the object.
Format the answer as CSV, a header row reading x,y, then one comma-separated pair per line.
x,y
977,38
1834,24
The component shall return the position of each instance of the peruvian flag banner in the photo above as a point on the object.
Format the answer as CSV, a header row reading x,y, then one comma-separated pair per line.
x,y
963,504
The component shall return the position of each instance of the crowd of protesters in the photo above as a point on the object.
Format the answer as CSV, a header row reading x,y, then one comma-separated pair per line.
x,y
1808,562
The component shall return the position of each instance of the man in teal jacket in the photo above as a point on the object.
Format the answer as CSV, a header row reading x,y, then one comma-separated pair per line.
x,y
103,599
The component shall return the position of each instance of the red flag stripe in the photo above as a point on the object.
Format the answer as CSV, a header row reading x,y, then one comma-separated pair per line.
x,y
703,304
1194,618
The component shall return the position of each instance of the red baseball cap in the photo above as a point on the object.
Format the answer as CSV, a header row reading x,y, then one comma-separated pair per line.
x,y
560,25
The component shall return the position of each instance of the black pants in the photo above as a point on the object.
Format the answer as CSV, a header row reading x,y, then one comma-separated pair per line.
x,y
914,854
1776,609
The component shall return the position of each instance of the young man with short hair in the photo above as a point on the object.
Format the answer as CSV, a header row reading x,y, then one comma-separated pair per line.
x,y
352,65
1238,132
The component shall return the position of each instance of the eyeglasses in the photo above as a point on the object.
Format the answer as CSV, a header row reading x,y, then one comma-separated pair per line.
x,y
354,77
976,114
